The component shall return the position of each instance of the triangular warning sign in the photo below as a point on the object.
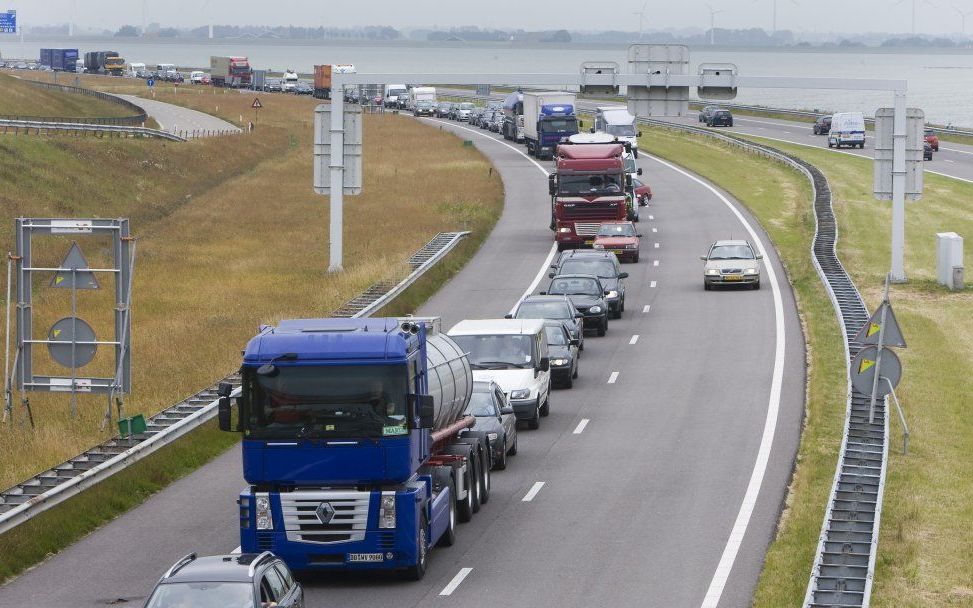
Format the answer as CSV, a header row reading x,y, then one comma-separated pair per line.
x,y
865,364
892,336
256,103
74,272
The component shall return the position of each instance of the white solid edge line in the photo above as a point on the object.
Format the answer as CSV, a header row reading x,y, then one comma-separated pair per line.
x,y
453,584
635,338
612,378
732,548
532,492
581,425
550,254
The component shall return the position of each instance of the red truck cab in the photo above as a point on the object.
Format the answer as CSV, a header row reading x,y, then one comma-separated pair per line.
x,y
932,139
587,189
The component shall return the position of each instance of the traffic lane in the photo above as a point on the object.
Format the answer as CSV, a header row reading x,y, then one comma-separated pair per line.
x,y
509,260
121,561
647,431
955,163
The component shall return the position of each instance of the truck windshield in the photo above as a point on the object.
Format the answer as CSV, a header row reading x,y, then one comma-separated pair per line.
x,y
326,401
504,351
550,125
621,130
589,184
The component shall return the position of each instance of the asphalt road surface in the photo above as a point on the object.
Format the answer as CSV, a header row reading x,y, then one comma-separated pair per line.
x,y
176,119
652,467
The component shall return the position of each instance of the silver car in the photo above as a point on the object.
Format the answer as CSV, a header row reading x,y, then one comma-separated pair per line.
x,y
731,263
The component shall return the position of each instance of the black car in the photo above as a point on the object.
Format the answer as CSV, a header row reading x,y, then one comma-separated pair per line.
x,y
564,353
243,580
822,126
557,308
720,118
926,151
304,88
588,296
706,112
495,417
443,109
424,108
602,264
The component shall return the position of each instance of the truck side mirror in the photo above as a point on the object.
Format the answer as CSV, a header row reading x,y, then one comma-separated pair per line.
x,y
506,410
574,342
623,275
639,172
224,413
427,411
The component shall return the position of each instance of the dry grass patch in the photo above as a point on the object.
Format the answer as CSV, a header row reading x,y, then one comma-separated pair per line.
x,y
21,99
230,236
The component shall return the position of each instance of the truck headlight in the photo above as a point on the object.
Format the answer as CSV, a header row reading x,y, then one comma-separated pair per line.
x,y
559,362
564,230
265,519
520,393
597,246
386,511
595,309
712,272
632,246
750,271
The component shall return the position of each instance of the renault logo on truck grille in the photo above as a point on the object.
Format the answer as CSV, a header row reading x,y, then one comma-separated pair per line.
x,y
325,512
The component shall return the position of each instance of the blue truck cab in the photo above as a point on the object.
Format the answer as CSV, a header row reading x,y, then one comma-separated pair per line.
x,y
340,451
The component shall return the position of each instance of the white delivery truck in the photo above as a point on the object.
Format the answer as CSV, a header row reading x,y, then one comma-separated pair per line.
x,y
616,121
395,95
288,84
847,129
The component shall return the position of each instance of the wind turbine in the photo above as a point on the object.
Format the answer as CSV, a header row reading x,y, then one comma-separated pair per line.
x,y
641,15
773,29
963,15
712,22
915,10
74,16
205,10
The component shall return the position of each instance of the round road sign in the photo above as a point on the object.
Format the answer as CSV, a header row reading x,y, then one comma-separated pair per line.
x,y
865,366
66,333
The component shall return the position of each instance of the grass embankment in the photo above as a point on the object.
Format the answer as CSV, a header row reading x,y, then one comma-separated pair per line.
x,y
230,236
780,198
18,98
925,551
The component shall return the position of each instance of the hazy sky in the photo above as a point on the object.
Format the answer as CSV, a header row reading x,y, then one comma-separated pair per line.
x,y
798,15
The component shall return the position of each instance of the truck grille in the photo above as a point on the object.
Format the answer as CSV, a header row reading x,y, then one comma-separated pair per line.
x,y
590,210
348,522
586,228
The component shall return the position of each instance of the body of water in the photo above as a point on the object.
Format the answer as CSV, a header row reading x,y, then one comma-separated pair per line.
x,y
937,81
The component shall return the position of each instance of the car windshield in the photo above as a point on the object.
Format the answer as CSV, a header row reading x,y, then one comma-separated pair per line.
x,y
326,401
731,252
482,404
202,595
616,230
589,184
621,130
545,310
503,351
556,336
598,267
574,286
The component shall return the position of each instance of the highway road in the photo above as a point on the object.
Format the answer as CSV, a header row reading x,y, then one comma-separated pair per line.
x,y
177,119
656,481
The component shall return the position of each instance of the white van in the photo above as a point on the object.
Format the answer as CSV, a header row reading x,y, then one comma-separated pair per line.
x,y
513,353
847,129
617,122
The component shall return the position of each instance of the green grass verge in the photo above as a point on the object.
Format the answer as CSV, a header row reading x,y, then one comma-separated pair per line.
x,y
19,98
780,198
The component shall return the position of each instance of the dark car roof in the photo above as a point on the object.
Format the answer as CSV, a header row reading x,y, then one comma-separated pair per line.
x,y
216,568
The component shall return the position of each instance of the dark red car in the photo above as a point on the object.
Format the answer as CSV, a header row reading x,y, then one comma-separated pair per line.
x,y
643,193
620,238
932,139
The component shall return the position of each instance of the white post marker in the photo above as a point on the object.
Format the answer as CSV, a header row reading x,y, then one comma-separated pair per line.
x,y
532,492
581,425
612,378
453,584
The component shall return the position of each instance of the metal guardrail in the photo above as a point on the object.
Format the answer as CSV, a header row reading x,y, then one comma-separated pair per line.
x,y
844,563
50,488
138,117
27,126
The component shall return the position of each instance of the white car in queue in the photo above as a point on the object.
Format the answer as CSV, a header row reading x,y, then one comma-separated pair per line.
x,y
514,354
731,263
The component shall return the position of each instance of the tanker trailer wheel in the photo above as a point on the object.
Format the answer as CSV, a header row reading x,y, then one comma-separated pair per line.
x,y
481,443
416,571
449,536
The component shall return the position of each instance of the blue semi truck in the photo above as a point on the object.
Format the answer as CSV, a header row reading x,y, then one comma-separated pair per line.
x,y
356,448
60,60
549,119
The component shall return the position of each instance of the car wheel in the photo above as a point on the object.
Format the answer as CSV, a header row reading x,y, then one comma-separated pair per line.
x,y
577,369
569,383
603,327
756,285
418,570
546,408
502,462
707,286
621,308
513,448
535,422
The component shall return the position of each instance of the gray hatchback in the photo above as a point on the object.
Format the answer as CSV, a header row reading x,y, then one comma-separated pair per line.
x,y
244,580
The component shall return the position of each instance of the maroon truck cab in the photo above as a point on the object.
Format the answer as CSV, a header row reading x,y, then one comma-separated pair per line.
x,y
588,188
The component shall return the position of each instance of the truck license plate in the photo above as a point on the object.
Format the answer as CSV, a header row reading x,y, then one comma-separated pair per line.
x,y
365,557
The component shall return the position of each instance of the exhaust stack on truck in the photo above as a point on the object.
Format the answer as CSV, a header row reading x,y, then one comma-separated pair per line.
x,y
355,445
